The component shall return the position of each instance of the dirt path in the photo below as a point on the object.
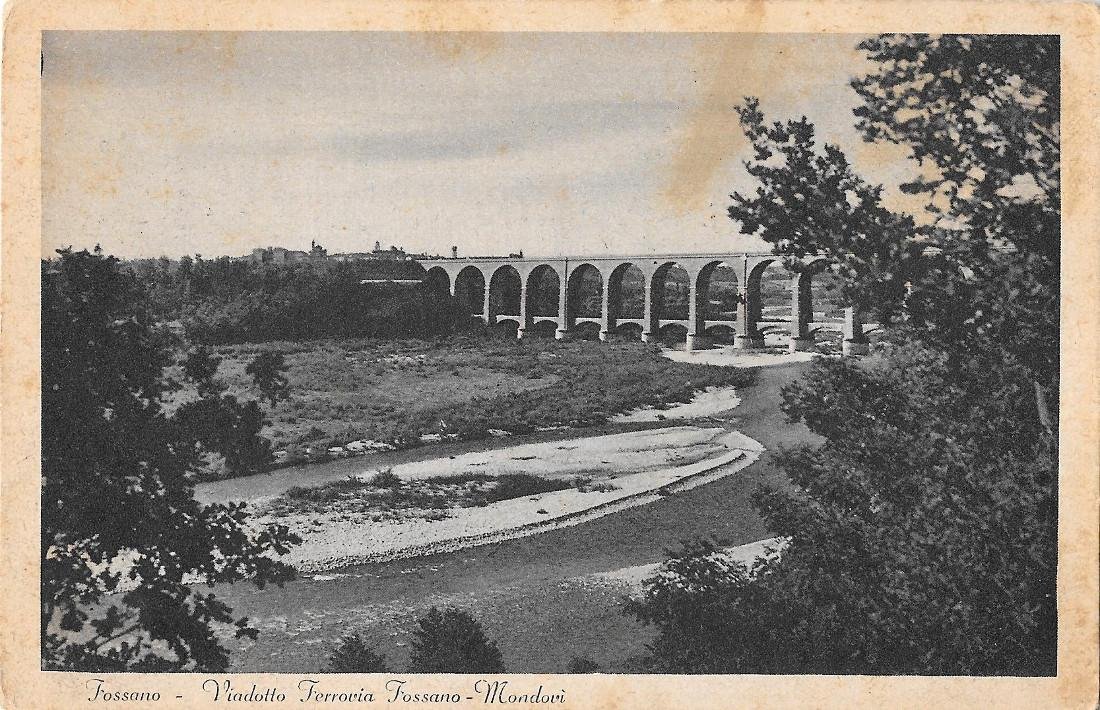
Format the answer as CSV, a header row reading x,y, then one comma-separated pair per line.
x,y
533,594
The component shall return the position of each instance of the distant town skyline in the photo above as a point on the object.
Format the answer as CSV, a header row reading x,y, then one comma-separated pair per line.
x,y
172,143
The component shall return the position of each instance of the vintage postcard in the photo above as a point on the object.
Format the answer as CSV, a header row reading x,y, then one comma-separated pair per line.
x,y
578,354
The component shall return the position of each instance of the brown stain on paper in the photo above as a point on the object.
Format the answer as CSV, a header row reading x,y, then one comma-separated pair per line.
x,y
726,67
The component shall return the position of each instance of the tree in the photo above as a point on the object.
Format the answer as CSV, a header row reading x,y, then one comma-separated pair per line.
x,y
201,367
267,370
122,535
354,656
920,537
451,641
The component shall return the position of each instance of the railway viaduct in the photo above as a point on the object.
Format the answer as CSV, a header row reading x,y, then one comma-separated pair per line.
x,y
504,289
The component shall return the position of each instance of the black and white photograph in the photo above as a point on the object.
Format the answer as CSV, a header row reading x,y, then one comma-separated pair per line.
x,y
630,353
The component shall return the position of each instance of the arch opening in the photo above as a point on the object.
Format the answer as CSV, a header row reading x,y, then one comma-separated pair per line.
x,y
470,290
826,296
626,292
543,292
671,290
504,293
585,292
718,292
437,281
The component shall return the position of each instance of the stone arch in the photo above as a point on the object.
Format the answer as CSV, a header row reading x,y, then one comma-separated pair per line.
x,y
717,287
470,290
584,295
543,293
626,293
768,290
438,281
802,336
669,293
826,295
505,289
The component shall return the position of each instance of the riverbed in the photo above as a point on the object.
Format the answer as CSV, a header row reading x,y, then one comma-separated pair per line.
x,y
539,586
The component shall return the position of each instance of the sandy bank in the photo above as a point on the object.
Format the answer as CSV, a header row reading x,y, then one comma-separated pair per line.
x,y
634,577
712,401
733,357
663,461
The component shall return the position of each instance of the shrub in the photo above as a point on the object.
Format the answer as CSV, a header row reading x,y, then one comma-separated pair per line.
x,y
385,479
318,494
451,641
517,485
354,656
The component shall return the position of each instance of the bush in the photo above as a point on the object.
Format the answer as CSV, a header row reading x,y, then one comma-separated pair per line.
x,y
518,485
451,641
385,479
354,656
309,493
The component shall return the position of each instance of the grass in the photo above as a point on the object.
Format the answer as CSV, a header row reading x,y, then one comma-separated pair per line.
x,y
386,496
397,392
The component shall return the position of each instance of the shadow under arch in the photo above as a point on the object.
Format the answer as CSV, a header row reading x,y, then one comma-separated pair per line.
x,y
505,288
543,293
584,294
669,293
470,290
438,281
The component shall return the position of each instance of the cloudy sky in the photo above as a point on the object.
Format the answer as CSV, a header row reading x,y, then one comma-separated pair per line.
x,y
562,143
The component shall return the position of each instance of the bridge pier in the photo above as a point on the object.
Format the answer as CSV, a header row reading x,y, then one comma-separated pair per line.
x,y
855,342
801,339
523,324
697,341
650,326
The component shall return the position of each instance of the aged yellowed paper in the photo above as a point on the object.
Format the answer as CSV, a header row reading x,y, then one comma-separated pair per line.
x,y
586,141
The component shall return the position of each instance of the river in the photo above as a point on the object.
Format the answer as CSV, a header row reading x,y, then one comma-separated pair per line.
x,y
540,597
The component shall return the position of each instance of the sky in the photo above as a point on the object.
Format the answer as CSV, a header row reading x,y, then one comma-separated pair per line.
x,y
172,143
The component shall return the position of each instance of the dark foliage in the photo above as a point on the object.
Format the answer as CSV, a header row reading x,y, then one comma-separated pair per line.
x,y
354,656
200,366
267,370
921,537
451,641
518,485
121,531
385,492
227,300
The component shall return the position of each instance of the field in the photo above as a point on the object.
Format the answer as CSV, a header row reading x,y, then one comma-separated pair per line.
x,y
351,396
